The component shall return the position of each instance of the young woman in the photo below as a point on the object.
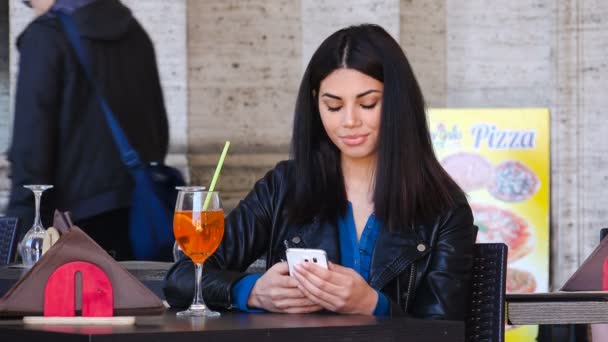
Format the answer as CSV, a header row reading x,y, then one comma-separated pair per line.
x,y
364,185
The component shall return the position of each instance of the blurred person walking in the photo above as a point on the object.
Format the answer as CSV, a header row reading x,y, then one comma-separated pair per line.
x,y
60,136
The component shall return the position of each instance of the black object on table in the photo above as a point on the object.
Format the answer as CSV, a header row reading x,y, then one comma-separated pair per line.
x,y
246,327
8,235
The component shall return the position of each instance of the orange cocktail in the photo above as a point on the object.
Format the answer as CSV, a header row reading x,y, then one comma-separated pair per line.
x,y
198,233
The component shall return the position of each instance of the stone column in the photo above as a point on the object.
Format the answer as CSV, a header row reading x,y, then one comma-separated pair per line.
x,y
423,39
4,100
566,142
580,127
320,18
18,16
244,70
499,56
4,76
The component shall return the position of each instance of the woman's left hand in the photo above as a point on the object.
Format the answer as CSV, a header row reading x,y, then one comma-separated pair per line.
x,y
339,289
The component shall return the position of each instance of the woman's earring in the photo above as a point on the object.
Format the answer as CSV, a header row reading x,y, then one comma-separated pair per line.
x,y
314,93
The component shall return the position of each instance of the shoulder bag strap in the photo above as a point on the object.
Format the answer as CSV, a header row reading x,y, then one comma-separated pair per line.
x,y
128,155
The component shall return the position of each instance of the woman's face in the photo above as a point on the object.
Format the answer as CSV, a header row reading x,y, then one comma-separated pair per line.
x,y
41,6
350,104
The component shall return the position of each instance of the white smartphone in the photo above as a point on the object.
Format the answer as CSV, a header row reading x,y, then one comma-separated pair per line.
x,y
297,256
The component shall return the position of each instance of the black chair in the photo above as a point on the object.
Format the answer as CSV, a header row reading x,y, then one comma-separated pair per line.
x,y
8,237
603,233
485,321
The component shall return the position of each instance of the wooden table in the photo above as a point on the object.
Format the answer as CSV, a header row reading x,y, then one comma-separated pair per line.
x,y
558,308
244,327
241,327
561,317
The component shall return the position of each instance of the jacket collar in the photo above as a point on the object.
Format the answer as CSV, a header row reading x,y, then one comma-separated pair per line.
x,y
317,234
393,252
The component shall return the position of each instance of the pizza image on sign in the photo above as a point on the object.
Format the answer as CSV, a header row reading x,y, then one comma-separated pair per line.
x,y
501,225
513,181
520,281
470,171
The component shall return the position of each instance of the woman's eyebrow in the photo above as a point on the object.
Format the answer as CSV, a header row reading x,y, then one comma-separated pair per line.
x,y
368,92
358,96
331,96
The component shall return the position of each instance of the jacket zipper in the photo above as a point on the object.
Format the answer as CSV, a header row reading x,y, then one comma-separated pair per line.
x,y
410,286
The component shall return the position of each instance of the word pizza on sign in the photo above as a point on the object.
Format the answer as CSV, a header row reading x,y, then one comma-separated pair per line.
x,y
502,139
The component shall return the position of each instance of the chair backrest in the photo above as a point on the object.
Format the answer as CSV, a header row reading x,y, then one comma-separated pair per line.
x,y
603,233
486,317
8,235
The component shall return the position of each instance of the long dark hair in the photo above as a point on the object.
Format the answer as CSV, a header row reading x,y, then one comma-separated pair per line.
x,y
411,187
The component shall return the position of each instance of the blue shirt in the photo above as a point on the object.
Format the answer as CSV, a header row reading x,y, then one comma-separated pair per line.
x,y
354,254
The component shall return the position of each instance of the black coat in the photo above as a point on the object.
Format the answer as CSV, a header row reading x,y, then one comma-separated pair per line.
x,y
60,136
440,254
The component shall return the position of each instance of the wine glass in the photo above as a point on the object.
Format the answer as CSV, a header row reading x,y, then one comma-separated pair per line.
x,y
177,251
30,247
198,226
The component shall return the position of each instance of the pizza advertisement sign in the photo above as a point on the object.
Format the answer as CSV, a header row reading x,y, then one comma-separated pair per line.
x,y
500,158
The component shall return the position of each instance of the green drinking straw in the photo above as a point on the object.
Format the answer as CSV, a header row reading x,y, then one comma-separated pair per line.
x,y
216,175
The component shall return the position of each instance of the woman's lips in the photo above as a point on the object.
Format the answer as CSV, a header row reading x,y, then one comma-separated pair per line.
x,y
354,140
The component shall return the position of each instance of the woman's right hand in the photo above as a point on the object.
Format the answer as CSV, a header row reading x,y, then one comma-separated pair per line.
x,y
276,291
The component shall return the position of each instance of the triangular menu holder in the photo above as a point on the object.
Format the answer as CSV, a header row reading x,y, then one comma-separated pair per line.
x,y
131,297
588,277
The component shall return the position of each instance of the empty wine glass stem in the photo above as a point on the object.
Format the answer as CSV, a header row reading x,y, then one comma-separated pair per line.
x,y
37,195
198,296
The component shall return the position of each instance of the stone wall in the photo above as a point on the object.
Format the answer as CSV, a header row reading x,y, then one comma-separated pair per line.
x,y
4,75
320,18
230,71
580,126
244,69
541,53
423,38
4,98
499,56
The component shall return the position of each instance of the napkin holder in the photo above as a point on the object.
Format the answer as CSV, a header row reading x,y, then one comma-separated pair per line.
x,y
75,252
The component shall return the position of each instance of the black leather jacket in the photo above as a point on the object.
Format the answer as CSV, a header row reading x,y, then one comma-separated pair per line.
x,y
424,271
